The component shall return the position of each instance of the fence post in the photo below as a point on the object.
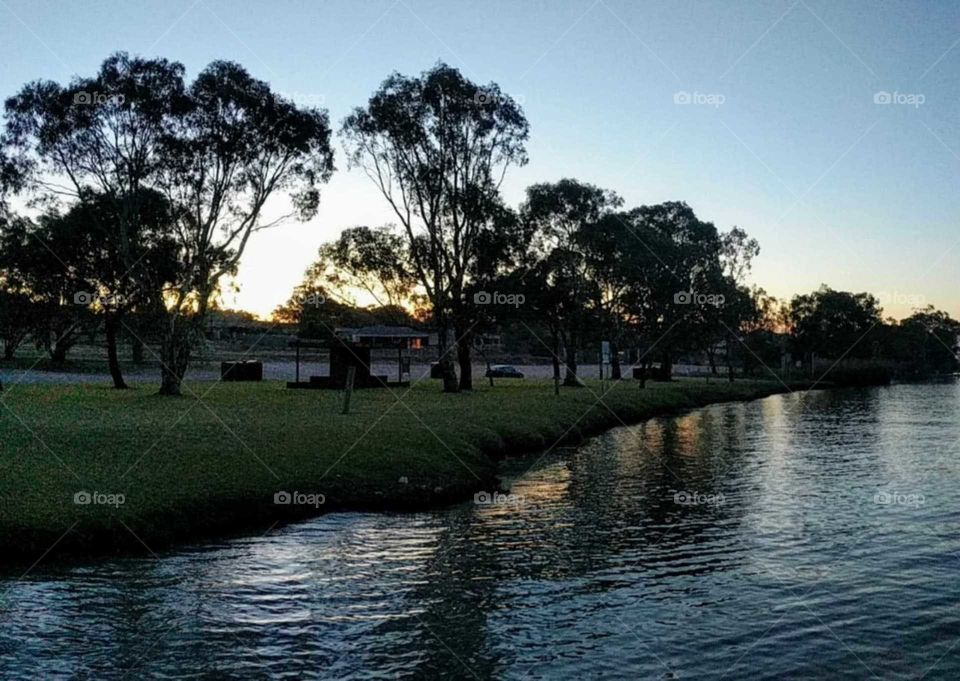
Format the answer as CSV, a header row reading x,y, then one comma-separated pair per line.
x,y
351,373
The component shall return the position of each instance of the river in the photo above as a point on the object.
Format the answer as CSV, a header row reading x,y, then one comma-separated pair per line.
x,y
799,536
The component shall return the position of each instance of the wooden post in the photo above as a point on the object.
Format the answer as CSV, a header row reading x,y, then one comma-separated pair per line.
x,y
298,360
351,373
556,384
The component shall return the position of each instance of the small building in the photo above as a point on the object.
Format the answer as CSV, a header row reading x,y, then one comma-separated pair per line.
x,y
382,336
355,347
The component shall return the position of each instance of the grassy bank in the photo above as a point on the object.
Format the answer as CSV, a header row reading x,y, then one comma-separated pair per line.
x,y
188,469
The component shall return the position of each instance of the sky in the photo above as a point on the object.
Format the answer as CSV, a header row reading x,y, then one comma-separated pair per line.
x,y
829,131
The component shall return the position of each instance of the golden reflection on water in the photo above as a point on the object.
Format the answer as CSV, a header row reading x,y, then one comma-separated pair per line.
x,y
547,489
687,431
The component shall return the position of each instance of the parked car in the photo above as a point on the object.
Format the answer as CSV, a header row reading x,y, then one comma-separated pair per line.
x,y
503,371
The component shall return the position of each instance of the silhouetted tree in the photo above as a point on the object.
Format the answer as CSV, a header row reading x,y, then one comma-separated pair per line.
x,y
94,144
925,343
834,324
438,146
236,145
31,265
17,313
678,304
555,215
119,265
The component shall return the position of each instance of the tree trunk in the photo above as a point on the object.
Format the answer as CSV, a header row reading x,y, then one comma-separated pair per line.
x,y
666,367
556,357
465,359
8,350
571,379
446,360
58,353
174,357
111,325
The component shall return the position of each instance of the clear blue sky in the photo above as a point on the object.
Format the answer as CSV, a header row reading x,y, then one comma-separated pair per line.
x,y
782,137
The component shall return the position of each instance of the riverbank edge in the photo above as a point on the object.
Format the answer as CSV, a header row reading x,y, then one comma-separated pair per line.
x,y
241,516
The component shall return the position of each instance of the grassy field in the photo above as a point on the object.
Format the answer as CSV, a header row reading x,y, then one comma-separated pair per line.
x,y
189,467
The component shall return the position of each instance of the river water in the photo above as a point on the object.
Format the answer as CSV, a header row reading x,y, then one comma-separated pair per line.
x,y
793,537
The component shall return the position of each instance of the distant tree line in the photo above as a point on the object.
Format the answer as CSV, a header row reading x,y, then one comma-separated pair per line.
x,y
144,191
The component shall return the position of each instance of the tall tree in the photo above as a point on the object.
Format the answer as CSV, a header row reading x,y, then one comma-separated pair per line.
x,y
217,150
558,215
95,144
119,266
686,251
31,265
438,146
237,145
734,306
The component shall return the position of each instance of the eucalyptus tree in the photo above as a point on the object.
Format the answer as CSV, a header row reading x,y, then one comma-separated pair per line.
x,y
98,245
926,343
16,313
372,262
735,305
93,146
236,145
217,150
558,216
438,146
364,271
676,302
615,263
834,324
492,292
32,267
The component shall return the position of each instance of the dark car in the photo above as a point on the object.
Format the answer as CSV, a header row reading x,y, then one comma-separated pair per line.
x,y
503,371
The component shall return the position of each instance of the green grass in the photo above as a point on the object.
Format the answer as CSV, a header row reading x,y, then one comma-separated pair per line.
x,y
190,468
